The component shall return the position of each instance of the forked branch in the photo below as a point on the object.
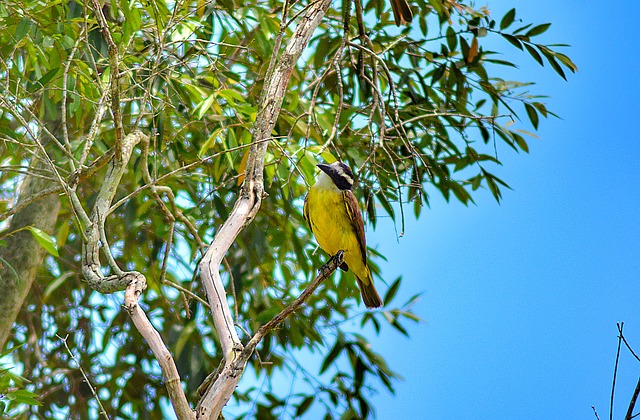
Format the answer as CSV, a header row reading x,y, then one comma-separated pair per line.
x,y
245,209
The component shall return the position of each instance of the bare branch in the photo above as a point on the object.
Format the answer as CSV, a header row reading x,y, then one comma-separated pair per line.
x,y
160,351
227,377
632,403
625,341
615,370
94,232
133,282
65,92
245,209
595,412
325,271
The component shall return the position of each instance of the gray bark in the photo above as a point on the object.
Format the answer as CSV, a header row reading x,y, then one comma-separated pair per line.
x,y
22,255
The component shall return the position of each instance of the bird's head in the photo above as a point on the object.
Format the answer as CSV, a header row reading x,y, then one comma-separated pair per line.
x,y
338,173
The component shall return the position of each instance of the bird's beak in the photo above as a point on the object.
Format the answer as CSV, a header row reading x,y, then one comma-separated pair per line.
x,y
327,169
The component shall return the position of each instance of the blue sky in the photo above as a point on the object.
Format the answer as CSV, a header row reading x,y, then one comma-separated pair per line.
x,y
521,298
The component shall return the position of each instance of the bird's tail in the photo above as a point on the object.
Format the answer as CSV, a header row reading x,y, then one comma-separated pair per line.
x,y
370,295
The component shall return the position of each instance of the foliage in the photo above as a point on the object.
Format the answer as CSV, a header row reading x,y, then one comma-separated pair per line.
x,y
13,395
426,113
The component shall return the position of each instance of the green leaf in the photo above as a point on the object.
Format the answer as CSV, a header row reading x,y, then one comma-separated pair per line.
x,y
23,396
43,80
304,405
460,192
452,38
550,56
438,73
533,115
44,239
567,62
53,286
382,198
213,138
23,28
205,105
537,30
333,354
556,66
391,293
395,324
520,141
507,19
521,29
513,40
533,53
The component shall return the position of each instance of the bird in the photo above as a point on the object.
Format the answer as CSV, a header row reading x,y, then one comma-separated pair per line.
x,y
401,12
333,214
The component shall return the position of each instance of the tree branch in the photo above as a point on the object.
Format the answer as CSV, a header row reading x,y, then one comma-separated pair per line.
x,y
227,378
632,403
245,210
114,77
169,371
132,281
94,230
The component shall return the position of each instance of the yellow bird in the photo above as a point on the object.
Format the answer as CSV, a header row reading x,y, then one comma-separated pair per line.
x,y
334,217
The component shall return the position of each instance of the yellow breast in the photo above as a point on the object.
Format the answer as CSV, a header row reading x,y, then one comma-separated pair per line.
x,y
331,225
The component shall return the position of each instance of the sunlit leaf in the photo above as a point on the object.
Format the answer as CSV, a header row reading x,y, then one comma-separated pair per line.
x,y
44,239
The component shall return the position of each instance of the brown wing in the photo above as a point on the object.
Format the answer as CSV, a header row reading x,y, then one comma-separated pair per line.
x,y
305,212
353,210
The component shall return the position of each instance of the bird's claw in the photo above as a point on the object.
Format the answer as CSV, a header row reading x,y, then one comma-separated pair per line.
x,y
337,259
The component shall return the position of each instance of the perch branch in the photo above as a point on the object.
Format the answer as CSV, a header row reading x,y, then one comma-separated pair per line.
x,y
227,377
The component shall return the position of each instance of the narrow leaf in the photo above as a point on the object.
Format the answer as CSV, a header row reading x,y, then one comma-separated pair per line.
x,y
391,293
333,354
304,405
567,62
533,115
513,40
532,51
508,19
537,30
556,66
438,73
44,239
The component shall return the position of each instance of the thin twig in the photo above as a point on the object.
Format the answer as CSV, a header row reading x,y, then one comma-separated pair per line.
x,y
595,412
625,342
102,411
615,370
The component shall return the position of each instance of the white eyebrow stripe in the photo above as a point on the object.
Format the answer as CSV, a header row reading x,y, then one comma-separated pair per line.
x,y
344,174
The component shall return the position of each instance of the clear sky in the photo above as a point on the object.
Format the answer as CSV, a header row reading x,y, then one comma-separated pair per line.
x,y
521,298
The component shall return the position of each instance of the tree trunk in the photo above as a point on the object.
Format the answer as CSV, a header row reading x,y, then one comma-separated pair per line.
x,y
22,255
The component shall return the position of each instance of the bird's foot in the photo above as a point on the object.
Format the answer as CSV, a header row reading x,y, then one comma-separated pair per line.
x,y
337,259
